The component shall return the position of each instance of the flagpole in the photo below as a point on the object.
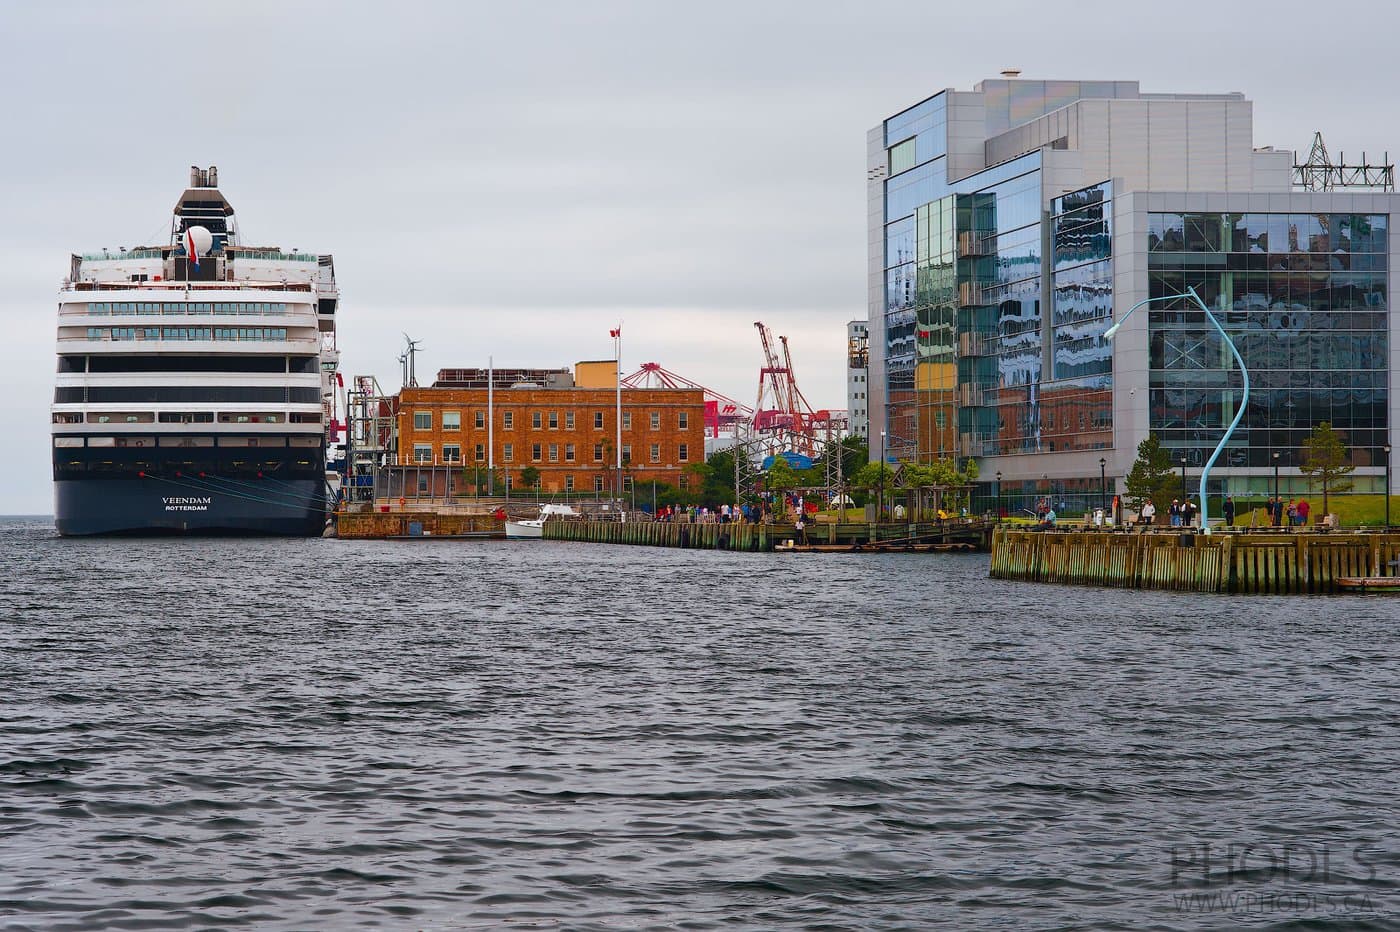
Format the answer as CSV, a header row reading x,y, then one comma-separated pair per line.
x,y
617,347
490,426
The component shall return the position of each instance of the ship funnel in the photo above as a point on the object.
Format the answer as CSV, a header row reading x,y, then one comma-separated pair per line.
x,y
204,177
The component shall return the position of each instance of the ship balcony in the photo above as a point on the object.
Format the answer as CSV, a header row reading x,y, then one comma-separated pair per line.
x,y
302,346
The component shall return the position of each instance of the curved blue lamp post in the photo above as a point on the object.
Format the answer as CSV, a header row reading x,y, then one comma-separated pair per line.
x,y
1244,400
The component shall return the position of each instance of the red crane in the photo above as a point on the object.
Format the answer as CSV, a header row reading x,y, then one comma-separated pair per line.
x,y
721,411
782,411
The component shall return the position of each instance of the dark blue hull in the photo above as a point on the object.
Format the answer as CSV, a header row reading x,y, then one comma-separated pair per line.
x,y
208,505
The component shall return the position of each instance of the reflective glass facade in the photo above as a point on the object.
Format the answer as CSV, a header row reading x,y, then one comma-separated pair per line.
x,y
962,283
1304,297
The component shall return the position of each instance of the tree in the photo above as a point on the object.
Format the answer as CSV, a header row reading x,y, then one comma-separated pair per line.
x,y
530,477
1325,460
874,477
1151,478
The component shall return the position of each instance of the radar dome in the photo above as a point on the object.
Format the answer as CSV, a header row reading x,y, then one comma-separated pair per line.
x,y
200,238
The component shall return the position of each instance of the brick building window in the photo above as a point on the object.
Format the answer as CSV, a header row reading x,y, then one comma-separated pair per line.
x,y
452,420
422,453
535,452
568,452
683,453
597,452
554,420
554,452
568,420
626,420
480,420
597,483
508,452
481,452
422,420
597,420
535,420
656,452
508,420
451,453
683,420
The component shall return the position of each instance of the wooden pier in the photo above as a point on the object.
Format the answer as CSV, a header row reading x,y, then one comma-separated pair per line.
x,y
1256,563
762,538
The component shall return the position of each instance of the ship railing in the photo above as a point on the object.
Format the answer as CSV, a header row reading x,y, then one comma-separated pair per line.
x,y
168,285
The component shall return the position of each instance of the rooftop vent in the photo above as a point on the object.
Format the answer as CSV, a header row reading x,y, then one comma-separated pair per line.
x,y
1011,73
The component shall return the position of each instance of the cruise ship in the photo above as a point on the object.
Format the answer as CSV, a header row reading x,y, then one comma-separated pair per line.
x,y
196,382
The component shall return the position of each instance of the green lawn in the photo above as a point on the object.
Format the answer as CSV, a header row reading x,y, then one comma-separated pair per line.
x,y
1352,510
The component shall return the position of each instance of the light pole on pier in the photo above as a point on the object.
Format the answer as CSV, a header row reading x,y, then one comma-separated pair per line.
x,y
1274,508
998,494
1103,485
1387,485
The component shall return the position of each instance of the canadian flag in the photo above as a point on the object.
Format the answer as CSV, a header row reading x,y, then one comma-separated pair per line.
x,y
616,333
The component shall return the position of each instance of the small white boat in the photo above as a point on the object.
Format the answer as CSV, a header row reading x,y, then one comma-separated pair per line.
x,y
533,528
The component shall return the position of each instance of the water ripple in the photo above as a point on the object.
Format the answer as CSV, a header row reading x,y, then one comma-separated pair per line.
x,y
294,734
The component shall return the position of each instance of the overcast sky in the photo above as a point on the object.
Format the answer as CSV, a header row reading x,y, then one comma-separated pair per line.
x,y
512,179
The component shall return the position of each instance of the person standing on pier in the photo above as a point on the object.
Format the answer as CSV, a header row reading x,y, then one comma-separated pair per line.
x,y
1304,509
1228,509
1174,512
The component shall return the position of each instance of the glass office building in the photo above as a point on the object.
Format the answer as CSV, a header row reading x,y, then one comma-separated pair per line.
x,y
1007,226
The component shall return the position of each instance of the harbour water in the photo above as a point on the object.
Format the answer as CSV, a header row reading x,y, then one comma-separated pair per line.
x,y
434,735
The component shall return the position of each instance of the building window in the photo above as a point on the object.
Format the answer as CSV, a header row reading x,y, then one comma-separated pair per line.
x,y
554,452
626,483
568,420
422,453
597,452
683,420
656,452
597,483
626,420
656,420
481,452
568,452
683,453
479,419
508,452
554,420
535,420
568,483
422,420
684,481
535,452
451,453
627,452
452,420
597,420
508,420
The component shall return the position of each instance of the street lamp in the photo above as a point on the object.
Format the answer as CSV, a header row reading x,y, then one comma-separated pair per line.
x,y
1183,477
1244,373
998,494
1274,509
1103,485
880,502
1387,485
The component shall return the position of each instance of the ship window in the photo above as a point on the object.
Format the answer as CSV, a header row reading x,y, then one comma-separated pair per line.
x,y
72,363
187,441
67,418
307,441
68,441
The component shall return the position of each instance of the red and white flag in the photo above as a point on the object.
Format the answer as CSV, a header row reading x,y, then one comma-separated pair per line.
x,y
616,333
190,249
